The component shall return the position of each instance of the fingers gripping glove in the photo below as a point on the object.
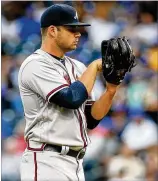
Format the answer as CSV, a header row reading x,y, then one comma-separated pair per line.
x,y
117,59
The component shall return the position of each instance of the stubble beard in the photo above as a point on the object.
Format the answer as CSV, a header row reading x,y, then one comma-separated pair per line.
x,y
65,47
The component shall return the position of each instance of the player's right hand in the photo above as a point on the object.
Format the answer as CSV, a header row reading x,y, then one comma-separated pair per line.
x,y
98,64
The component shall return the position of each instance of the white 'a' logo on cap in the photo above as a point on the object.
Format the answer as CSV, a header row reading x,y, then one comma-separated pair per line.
x,y
76,16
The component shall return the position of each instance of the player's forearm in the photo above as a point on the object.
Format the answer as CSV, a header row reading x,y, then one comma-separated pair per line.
x,y
89,76
101,107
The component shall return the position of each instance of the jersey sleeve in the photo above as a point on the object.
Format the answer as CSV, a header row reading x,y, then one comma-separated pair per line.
x,y
43,79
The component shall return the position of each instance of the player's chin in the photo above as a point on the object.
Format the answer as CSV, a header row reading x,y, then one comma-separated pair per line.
x,y
73,47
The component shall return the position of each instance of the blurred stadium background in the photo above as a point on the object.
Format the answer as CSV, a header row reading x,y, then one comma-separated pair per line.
x,y
124,146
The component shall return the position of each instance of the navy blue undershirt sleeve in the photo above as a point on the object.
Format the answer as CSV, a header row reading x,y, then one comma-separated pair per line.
x,y
72,97
91,122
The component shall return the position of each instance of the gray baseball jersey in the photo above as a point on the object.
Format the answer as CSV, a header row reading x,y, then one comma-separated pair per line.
x,y
40,77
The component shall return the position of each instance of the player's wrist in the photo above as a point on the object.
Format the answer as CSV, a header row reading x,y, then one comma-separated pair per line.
x,y
111,88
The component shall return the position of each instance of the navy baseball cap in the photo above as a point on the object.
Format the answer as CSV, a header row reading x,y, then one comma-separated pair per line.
x,y
60,15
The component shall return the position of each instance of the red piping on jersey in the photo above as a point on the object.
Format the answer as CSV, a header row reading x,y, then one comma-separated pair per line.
x,y
35,149
35,163
80,117
81,129
73,69
54,90
67,74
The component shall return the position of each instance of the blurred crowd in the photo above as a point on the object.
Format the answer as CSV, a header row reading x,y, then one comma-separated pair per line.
x,y
124,146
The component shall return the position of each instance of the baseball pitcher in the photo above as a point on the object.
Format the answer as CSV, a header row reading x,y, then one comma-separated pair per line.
x,y
58,100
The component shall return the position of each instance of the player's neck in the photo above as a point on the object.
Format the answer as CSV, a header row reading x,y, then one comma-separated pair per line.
x,y
52,50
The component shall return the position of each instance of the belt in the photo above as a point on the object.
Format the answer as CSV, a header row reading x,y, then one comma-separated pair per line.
x,y
57,148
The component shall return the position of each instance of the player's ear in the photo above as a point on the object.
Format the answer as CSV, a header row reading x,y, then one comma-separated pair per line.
x,y
52,31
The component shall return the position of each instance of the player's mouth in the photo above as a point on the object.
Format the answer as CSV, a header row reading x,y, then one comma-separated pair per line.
x,y
76,42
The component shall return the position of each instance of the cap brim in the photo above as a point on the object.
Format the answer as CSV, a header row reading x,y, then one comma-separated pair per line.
x,y
77,24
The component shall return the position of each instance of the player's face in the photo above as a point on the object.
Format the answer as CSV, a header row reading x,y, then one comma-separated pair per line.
x,y
68,37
